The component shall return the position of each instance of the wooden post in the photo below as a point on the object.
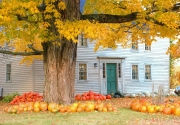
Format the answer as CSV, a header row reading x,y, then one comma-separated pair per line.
x,y
153,100
160,98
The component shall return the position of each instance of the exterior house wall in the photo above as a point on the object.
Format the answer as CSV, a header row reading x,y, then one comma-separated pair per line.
x,y
21,75
31,78
38,76
157,58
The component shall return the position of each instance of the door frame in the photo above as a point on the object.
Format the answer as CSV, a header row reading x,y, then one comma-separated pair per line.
x,y
103,81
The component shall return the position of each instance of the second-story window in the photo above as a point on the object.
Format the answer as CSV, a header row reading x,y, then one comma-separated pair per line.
x,y
82,41
134,45
147,47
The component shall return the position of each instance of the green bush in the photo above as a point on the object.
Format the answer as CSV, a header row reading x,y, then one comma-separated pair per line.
x,y
9,97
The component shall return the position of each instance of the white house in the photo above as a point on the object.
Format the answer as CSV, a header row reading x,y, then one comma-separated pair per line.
x,y
130,70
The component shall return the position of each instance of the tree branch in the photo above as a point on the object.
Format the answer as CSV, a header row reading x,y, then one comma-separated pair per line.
x,y
19,17
21,53
107,18
30,46
176,7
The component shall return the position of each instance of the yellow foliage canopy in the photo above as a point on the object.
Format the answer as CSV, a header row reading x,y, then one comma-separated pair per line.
x,y
22,23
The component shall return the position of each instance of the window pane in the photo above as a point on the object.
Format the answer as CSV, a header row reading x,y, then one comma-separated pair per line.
x,y
8,67
119,69
135,72
104,73
147,47
83,41
8,72
147,71
8,77
82,67
134,46
82,72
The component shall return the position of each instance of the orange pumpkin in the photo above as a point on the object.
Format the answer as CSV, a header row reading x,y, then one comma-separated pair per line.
x,y
136,107
110,109
157,108
79,109
167,110
87,109
51,106
142,108
36,109
36,105
104,109
150,109
177,111
30,108
133,104
43,106
20,109
73,108
62,110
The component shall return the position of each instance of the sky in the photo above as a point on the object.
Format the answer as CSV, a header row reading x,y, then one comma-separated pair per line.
x,y
82,2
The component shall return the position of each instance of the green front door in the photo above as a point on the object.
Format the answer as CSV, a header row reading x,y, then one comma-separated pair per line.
x,y
111,78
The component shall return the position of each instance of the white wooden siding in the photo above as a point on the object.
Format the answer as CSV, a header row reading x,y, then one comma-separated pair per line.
x,y
157,58
38,76
31,78
21,76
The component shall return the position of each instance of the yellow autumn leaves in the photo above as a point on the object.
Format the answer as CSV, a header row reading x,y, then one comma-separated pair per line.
x,y
33,30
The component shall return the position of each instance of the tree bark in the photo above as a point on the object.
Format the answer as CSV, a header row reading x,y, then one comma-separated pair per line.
x,y
60,61
59,68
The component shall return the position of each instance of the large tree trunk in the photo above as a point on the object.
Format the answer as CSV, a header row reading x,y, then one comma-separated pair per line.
x,y
59,67
60,61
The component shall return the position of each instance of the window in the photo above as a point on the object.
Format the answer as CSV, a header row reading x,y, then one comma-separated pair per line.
x,y
82,71
134,72
8,72
147,72
82,41
104,71
134,46
119,69
147,47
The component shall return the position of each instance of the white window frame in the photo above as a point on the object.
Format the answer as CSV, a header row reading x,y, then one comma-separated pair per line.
x,y
147,46
137,74
132,49
80,37
145,72
9,72
86,71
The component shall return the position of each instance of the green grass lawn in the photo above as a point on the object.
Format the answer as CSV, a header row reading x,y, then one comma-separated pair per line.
x,y
124,116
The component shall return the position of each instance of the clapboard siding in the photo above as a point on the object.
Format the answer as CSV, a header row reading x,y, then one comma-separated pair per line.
x,y
157,58
21,76
31,78
38,76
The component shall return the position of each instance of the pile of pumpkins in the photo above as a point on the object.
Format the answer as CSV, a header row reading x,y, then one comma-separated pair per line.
x,y
90,95
85,106
168,108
